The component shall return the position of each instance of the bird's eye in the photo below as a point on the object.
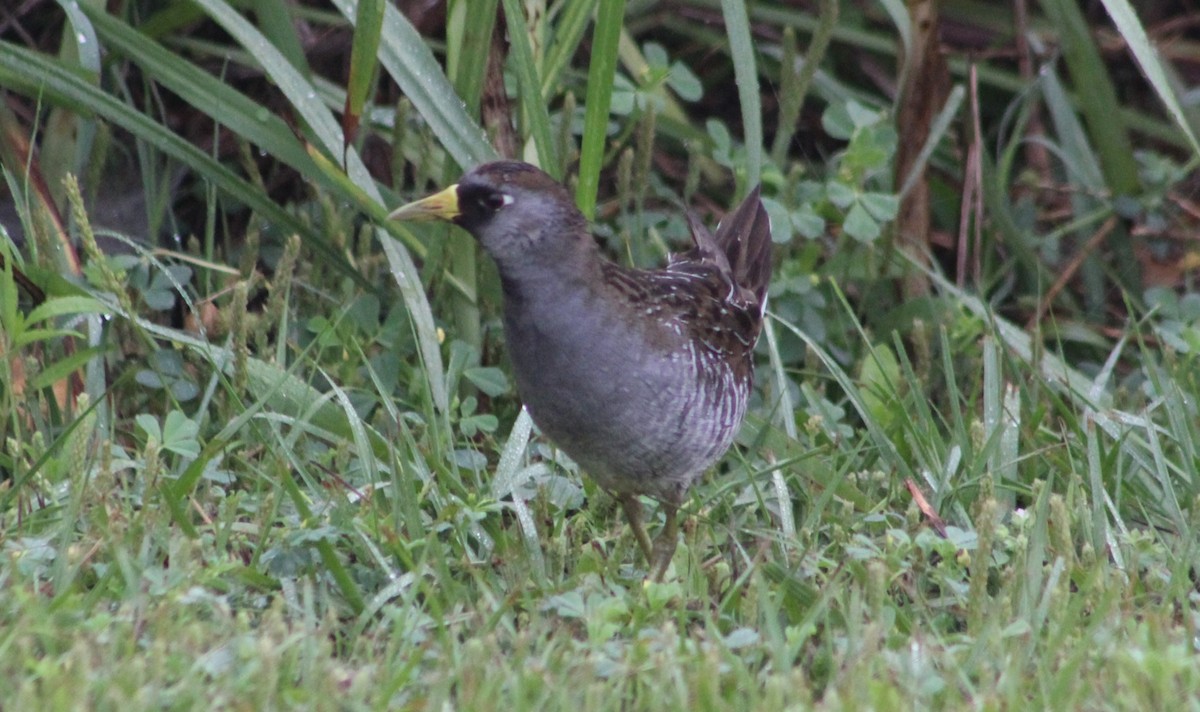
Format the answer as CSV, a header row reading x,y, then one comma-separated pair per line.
x,y
493,201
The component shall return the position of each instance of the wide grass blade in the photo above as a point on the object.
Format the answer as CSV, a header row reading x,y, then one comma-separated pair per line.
x,y
407,58
601,69
508,481
368,27
533,109
236,111
741,47
469,28
568,34
34,74
1143,51
301,93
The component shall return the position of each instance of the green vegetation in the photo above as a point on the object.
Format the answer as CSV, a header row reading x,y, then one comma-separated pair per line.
x,y
259,449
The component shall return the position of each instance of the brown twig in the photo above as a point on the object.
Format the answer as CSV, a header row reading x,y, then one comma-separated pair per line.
x,y
918,496
1069,271
972,200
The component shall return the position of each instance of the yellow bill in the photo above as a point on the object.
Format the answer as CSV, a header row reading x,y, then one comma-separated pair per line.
x,y
439,206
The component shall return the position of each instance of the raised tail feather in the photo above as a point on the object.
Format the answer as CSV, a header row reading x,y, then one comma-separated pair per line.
x,y
745,238
741,249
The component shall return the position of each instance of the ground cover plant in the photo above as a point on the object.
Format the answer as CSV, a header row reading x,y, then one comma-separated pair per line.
x,y
259,447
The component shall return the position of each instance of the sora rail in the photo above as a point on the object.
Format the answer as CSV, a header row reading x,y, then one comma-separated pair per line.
x,y
641,376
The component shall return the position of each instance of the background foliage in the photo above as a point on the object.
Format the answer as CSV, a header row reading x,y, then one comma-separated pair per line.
x,y
260,448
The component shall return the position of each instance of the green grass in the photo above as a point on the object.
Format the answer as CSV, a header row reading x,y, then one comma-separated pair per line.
x,y
281,464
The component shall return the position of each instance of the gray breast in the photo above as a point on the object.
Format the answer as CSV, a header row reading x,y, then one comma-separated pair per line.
x,y
636,422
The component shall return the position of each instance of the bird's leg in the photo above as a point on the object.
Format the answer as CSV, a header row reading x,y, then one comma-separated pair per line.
x,y
633,512
664,545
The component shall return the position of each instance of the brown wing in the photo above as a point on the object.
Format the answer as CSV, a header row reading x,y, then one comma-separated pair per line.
x,y
712,293
690,301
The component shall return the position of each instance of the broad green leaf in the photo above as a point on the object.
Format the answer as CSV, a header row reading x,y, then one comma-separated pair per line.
x,y
860,225
65,366
58,306
881,206
179,434
489,379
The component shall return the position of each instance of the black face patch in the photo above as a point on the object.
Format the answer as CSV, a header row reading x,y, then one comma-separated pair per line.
x,y
478,203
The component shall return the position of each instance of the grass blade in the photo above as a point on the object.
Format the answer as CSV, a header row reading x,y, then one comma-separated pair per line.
x,y
304,98
469,28
533,109
368,26
35,75
407,58
741,47
601,69
1147,58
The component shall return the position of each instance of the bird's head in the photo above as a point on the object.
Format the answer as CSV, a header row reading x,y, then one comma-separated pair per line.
x,y
517,212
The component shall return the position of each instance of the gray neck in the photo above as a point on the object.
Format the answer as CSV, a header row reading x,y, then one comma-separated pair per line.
x,y
554,269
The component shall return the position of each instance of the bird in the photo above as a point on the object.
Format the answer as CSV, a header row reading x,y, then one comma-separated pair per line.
x,y
640,376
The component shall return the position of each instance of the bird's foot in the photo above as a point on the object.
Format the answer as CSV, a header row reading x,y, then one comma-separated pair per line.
x,y
633,512
665,545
